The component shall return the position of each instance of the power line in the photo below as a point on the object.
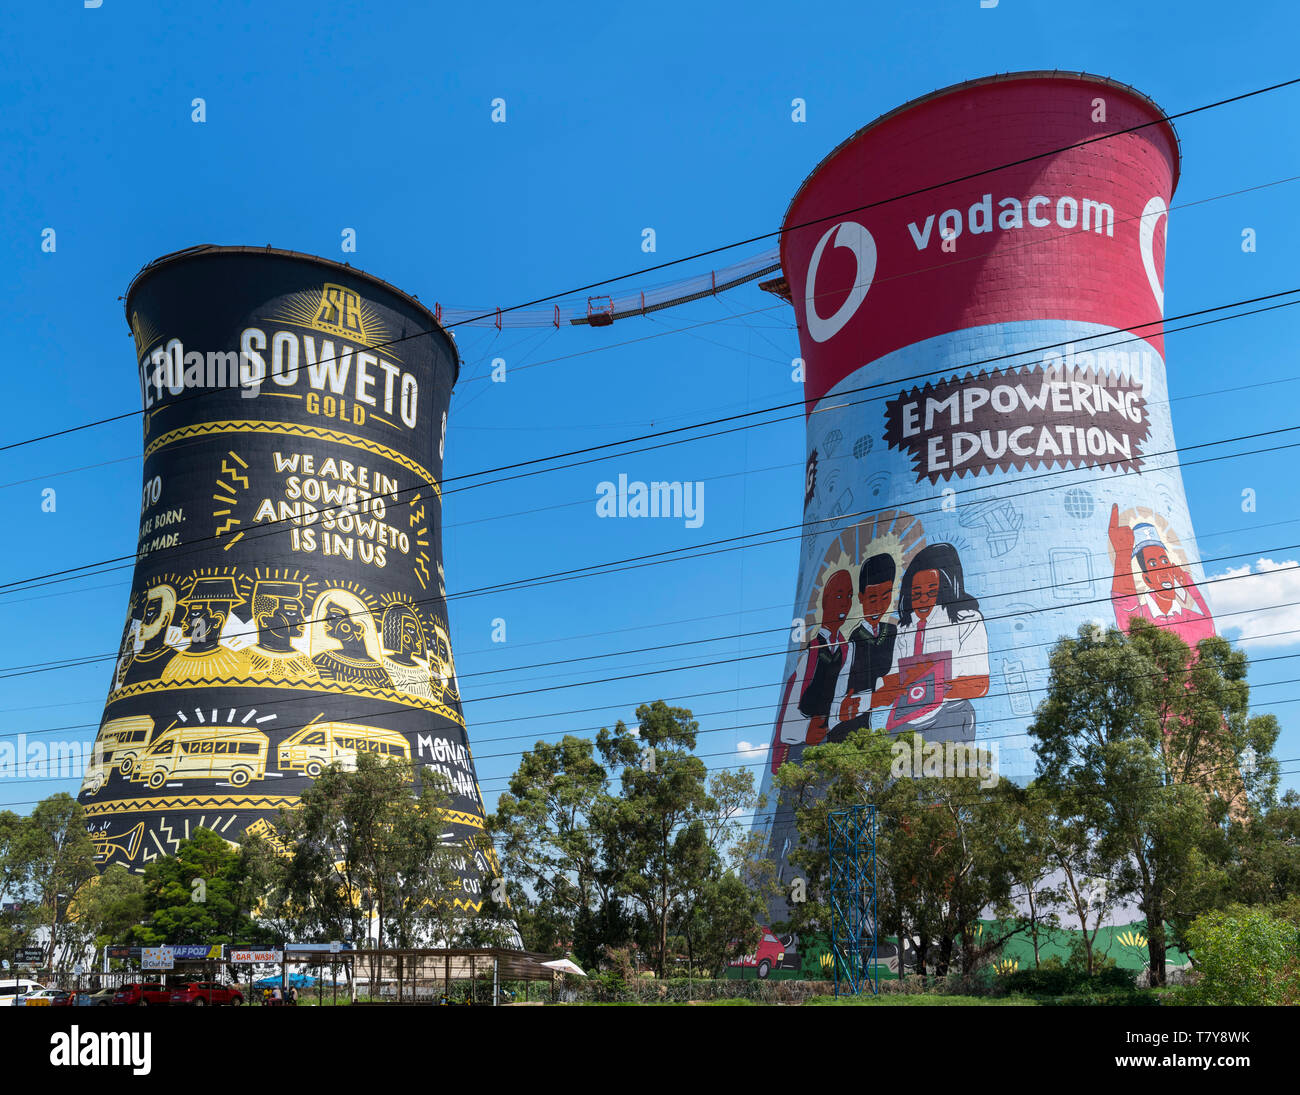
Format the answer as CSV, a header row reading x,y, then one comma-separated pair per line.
x,y
268,528
1023,733
98,699
383,712
656,558
1015,648
1163,119
689,328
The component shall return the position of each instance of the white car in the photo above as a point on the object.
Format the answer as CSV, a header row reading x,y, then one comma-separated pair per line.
x,y
15,990
41,998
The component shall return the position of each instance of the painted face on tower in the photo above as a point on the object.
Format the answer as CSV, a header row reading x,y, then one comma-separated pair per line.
x,y
875,600
837,599
412,642
925,592
203,627
340,626
287,620
1159,571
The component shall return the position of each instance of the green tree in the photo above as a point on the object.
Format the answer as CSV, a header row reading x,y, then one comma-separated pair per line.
x,y
15,920
833,777
947,848
718,914
52,858
550,844
719,922
659,821
653,863
1083,864
1033,879
365,845
201,894
109,908
420,876
1260,864
1148,739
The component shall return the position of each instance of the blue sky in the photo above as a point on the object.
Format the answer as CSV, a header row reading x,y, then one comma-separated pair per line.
x,y
619,117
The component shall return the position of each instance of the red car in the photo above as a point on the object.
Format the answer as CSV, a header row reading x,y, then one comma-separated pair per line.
x,y
71,1000
139,994
202,993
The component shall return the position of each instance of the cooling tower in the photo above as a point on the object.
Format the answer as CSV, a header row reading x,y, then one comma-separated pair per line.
x,y
990,452
288,609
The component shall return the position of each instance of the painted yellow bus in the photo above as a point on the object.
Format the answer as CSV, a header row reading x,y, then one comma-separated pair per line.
x,y
120,743
321,743
235,753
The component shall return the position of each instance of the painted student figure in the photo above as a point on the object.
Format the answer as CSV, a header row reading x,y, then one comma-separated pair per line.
x,y
818,683
940,651
872,642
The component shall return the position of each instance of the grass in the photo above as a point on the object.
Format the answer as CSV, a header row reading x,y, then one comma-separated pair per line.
x,y
920,1000
890,1000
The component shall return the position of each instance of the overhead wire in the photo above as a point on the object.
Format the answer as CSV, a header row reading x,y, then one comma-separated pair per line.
x,y
1163,119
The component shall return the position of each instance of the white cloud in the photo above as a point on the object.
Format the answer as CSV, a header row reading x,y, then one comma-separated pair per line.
x,y
1258,606
744,748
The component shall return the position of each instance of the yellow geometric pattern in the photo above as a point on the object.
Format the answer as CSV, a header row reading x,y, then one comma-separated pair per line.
x,y
293,429
191,802
230,802
405,698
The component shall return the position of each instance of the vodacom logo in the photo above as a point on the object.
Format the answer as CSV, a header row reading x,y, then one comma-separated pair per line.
x,y
1155,209
857,239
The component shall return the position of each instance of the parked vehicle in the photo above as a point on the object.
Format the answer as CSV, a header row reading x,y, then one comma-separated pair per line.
x,y
203,993
14,989
142,994
42,998
71,1000
102,998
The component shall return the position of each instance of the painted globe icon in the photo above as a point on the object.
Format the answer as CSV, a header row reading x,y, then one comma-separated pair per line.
x,y
1078,503
862,446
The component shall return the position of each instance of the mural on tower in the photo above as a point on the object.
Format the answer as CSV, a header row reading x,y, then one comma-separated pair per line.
x,y
990,451
288,607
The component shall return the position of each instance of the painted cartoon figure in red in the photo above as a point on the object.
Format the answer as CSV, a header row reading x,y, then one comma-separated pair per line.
x,y
1170,599
816,681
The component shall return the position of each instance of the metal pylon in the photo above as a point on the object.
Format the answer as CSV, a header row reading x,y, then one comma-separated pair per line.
x,y
852,842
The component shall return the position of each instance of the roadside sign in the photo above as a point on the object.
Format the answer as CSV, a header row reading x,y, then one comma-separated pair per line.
x,y
191,952
251,955
156,958
31,954
335,946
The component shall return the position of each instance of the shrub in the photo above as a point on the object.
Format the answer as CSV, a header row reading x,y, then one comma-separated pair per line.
x,y
1245,957
1065,980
